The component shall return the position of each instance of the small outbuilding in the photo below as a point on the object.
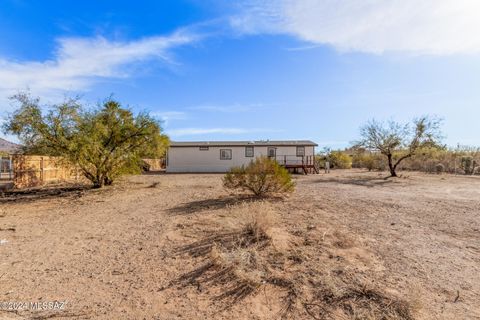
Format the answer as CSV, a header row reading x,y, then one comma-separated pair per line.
x,y
221,156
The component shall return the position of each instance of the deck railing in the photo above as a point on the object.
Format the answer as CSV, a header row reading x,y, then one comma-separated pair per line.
x,y
293,160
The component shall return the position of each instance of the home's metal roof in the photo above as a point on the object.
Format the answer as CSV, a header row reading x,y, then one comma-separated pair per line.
x,y
242,143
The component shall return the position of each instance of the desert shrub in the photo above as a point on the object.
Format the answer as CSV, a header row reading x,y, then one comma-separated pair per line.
x,y
365,160
369,162
263,177
462,159
439,168
320,161
467,164
427,160
358,160
340,160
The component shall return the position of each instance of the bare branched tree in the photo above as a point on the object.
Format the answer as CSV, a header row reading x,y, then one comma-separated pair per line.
x,y
400,141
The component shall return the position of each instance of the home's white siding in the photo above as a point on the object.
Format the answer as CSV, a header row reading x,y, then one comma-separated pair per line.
x,y
192,159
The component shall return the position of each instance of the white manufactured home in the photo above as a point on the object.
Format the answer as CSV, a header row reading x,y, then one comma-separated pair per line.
x,y
221,156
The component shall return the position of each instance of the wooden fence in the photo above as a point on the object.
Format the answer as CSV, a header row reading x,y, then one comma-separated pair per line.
x,y
30,171
154,164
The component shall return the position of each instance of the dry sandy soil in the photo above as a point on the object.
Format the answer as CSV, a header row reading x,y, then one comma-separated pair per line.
x,y
114,253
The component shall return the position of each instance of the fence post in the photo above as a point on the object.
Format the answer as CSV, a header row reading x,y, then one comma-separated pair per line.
x,y
41,171
10,167
15,172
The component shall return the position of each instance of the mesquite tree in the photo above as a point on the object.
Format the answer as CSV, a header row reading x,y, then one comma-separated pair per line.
x,y
104,142
398,142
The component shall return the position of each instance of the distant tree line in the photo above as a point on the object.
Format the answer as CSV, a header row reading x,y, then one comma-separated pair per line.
x,y
393,146
459,160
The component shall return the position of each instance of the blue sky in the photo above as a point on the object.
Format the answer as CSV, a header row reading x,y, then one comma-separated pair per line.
x,y
243,70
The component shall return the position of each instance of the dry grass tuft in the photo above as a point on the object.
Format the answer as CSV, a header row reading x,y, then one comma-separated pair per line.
x,y
339,295
236,264
253,234
343,240
363,303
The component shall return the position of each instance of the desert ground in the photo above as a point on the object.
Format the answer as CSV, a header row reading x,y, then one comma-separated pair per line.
x,y
345,245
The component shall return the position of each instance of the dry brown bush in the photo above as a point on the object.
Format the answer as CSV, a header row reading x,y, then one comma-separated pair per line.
x,y
344,297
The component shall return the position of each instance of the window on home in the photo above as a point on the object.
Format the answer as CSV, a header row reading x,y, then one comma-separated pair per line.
x,y
203,148
271,152
249,151
300,151
225,154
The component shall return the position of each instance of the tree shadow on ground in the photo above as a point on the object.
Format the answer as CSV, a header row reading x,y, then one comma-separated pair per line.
x,y
33,194
369,182
211,204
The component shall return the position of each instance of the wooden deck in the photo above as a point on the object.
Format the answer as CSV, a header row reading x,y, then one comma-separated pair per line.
x,y
304,163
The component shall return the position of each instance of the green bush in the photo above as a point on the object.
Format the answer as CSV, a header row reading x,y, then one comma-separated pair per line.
x,y
262,177
370,161
340,160
467,164
364,160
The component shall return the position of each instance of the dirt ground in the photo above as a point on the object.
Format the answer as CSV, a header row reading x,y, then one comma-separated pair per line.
x,y
113,253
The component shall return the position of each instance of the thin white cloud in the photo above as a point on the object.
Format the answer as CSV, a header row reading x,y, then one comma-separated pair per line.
x,y
228,108
200,131
79,62
420,27
170,115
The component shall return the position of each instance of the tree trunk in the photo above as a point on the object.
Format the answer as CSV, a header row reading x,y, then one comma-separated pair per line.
x,y
97,184
391,166
398,162
108,181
